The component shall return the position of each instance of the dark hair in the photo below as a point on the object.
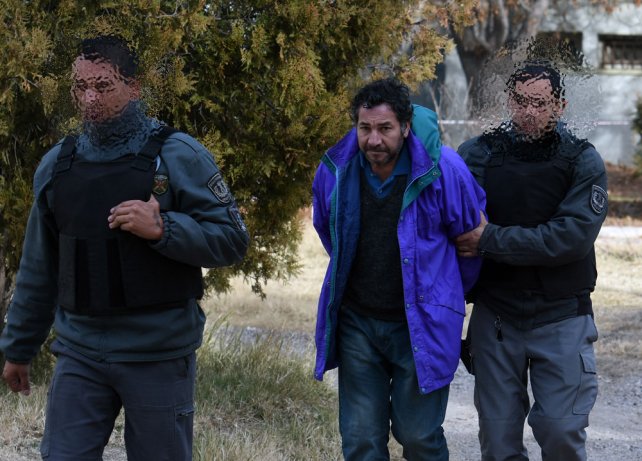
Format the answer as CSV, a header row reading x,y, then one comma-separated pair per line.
x,y
113,49
538,70
386,91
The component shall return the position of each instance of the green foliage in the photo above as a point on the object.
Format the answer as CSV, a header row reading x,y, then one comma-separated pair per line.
x,y
263,84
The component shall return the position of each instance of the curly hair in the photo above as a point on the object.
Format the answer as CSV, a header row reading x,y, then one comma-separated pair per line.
x,y
385,91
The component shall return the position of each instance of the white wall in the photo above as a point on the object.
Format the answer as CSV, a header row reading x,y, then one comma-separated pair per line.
x,y
620,90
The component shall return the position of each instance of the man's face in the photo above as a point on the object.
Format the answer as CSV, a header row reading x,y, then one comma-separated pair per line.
x,y
99,90
380,135
535,109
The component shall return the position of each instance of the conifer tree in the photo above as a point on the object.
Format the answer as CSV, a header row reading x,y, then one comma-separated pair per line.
x,y
263,84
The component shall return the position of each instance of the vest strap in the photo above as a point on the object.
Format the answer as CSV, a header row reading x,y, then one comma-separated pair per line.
x,y
147,156
66,155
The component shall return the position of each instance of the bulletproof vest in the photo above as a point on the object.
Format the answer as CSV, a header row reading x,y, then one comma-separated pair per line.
x,y
528,193
105,271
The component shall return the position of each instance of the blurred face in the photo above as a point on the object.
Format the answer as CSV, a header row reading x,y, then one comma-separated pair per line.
x,y
535,109
99,90
380,136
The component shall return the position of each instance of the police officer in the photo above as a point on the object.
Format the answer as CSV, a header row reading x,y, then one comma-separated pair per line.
x,y
547,199
124,217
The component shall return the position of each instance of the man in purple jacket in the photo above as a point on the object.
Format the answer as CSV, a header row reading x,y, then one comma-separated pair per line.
x,y
387,205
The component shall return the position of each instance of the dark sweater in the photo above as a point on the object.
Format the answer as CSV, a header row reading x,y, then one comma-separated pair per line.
x,y
375,286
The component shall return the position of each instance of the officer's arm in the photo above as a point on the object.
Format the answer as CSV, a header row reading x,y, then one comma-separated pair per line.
x,y
32,309
463,202
569,235
205,227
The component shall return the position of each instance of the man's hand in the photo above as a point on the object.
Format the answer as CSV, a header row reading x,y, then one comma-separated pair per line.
x,y
17,377
142,219
468,243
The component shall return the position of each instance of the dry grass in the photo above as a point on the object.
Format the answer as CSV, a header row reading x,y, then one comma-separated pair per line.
x,y
287,306
619,264
617,303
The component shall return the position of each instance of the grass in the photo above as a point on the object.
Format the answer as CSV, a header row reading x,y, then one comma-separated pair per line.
x,y
287,306
257,401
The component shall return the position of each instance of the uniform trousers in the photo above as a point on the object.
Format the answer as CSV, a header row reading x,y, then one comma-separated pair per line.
x,y
379,392
561,362
86,396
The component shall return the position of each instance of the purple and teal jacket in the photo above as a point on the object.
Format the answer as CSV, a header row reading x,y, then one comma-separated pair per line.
x,y
441,201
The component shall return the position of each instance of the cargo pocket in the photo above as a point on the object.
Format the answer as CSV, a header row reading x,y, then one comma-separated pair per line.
x,y
587,390
183,431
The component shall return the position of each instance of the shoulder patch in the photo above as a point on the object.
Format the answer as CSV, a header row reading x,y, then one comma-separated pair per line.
x,y
161,184
599,199
217,186
235,214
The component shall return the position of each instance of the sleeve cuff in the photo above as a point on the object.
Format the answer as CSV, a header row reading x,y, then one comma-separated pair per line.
x,y
482,246
167,231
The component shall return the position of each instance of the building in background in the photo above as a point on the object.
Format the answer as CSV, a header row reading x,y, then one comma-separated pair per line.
x,y
612,43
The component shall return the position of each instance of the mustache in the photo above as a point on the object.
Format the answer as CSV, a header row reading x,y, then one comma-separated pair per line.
x,y
378,149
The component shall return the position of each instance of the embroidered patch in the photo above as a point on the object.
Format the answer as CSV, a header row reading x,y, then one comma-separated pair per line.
x,y
161,184
599,199
219,189
235,214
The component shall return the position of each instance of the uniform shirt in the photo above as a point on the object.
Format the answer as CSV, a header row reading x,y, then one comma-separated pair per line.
x,y
202,228
567,236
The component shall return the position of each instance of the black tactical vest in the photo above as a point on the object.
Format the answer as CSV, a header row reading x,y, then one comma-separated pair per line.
x,y
105,271
527,193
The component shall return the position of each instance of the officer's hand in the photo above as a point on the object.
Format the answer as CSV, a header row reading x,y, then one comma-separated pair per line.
x,y
142,219
17,377
468,243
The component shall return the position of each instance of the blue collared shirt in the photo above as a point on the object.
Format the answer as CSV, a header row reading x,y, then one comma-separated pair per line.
x,y
383,188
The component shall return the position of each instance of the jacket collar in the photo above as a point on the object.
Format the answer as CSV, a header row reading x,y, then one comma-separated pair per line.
x,y
347,149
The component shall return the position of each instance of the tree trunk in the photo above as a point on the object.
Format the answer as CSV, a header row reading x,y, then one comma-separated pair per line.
x,y
497,25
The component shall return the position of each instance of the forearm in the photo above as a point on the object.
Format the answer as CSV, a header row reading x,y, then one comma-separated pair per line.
x,y
549,244
204,244
25,332
31,312
567,236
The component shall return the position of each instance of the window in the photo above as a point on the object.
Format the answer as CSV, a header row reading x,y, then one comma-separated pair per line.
x,y
621,52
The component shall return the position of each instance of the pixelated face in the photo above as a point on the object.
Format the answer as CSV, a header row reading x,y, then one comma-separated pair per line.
x,y
99,91
380,135
534,108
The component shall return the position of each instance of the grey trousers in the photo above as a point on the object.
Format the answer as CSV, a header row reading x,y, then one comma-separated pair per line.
x,y
561,362
86,396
